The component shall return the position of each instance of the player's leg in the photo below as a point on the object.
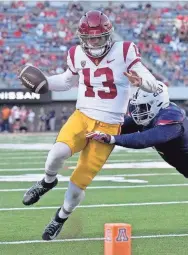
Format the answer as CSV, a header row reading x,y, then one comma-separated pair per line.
x,y
91,160
69,141
57,155
73,196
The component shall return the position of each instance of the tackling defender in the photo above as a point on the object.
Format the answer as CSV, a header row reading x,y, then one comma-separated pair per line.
x,y
103,70
154,122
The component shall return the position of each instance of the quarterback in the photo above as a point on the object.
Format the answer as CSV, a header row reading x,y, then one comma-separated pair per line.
x,y
103,70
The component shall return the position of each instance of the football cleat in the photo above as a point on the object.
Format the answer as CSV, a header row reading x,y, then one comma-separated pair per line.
x,y
37,190
54,227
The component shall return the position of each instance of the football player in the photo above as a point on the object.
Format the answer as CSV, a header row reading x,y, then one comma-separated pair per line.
x,y
104,70
154,122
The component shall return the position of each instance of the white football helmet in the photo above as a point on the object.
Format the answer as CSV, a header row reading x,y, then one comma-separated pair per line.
x,y
145,106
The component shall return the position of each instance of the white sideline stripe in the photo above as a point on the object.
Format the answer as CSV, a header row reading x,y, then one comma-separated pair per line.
x,y
110,187
95,206
161,164
159,236
147,174
91,239
20,145
32,153
38,156
24,157
117,175
20,169
18,153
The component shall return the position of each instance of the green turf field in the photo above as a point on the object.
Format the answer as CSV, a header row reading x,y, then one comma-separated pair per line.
x,y
134,187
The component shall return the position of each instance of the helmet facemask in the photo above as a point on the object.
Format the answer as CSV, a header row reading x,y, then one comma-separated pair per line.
x,y
96,45
141,113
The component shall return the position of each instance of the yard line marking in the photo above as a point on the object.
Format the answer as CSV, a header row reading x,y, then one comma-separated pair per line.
x,y
90,239
96,206
109,187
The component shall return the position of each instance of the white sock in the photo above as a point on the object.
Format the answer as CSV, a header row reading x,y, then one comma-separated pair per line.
x,y
63,213
49,179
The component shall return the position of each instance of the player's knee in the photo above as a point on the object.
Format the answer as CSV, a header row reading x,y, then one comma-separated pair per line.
x,y
56,156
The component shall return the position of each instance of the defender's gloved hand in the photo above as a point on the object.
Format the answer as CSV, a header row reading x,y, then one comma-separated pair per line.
x,y
101,137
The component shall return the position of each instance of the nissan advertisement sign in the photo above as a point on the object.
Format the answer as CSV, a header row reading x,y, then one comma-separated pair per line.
x,y
23,96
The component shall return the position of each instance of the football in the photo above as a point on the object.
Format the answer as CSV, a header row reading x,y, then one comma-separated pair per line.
x,y
33,79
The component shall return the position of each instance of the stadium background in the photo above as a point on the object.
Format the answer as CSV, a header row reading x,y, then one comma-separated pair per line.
x,y
41,33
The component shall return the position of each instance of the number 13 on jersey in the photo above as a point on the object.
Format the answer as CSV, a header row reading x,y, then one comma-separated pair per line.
x,y
108,83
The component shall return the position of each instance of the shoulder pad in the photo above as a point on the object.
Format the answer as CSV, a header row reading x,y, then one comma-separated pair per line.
x,y
170,115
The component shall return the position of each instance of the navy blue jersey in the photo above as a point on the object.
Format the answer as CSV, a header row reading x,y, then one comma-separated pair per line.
x,y
167,132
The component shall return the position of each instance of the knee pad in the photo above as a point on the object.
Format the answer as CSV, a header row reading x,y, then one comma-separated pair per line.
x,y
56,157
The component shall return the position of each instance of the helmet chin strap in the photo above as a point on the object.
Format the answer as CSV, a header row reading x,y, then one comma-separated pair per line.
x,y
97,52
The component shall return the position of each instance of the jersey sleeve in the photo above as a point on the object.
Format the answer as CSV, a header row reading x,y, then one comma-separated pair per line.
x,y
169,115
132,60
71,60
131,54
62,82
150,137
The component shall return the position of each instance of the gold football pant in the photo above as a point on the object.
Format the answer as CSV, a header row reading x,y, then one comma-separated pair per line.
x,y
93,154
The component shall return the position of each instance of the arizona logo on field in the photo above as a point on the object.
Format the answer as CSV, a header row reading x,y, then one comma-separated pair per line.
x,y
122,235
83,63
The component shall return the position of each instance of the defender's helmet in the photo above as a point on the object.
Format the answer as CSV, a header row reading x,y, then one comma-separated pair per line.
x,y
145,106
94,32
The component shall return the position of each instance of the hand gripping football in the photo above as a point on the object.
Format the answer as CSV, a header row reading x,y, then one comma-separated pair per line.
x,y
33,79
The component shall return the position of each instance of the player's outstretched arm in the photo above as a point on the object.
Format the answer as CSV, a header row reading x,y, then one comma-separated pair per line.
x,y
137,73
129,126
145,139
150,137
62,82
36,81
147,81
